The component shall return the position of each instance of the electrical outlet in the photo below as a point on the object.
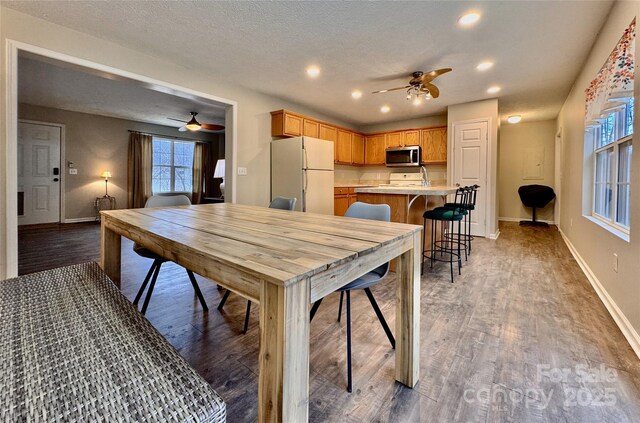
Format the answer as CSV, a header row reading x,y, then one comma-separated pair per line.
x,y
242,171
73,171
615,262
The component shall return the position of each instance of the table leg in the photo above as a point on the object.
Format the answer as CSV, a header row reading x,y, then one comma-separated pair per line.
x,y
110,253
283,389
408,315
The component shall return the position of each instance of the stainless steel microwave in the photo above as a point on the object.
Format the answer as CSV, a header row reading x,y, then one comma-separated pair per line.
x,y
402,156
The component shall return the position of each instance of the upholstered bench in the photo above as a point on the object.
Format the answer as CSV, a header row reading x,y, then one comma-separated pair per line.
x,y
73,348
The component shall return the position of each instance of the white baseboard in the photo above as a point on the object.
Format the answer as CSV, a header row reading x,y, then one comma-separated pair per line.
x,y
494,235
621,320
517,219
80,220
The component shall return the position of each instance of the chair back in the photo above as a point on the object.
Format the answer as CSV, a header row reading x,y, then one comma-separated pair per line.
x,y
283,203
380,212
167,201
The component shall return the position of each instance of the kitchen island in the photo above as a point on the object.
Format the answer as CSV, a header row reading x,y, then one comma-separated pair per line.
x,y
408,203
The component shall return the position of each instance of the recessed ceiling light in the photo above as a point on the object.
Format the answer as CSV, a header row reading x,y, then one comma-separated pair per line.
x,y
469,18
356,94
484,66
493,90
514,119
313,71
385,109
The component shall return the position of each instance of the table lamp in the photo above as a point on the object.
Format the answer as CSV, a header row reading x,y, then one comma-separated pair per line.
x,y
106,175
219,173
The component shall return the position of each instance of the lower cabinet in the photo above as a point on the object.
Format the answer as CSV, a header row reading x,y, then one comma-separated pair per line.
x,y
342,198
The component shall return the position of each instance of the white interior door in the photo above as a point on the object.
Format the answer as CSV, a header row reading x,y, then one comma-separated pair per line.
x,y
470,142
38,173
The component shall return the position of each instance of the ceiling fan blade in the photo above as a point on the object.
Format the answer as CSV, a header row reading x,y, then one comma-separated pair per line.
x,y
183,128
177,120
212,127
391,89
433,90
430,76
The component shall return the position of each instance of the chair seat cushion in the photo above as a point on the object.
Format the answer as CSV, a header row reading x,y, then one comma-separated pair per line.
x,y
144,252
459,205
441,213
368,279
75,349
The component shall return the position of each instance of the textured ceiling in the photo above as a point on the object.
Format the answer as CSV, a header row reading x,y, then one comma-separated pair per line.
x,y
66,87
538,47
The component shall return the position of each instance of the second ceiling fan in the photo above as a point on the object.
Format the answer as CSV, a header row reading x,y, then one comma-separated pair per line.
x,y
420,84
194,125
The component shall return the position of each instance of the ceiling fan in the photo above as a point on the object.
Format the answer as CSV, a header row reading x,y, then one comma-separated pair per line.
x,y
420,84
194,125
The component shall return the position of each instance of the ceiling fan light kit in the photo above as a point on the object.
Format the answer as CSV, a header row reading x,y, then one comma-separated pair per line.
x,y
420,86
193,124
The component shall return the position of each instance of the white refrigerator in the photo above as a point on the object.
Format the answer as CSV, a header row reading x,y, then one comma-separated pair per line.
x,y
303,168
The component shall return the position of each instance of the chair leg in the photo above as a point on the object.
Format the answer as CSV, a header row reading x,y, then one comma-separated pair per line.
x,y
381,318
349,381
144,284
246,317
224,299
196,288
315,307
150,291
459,251
340,308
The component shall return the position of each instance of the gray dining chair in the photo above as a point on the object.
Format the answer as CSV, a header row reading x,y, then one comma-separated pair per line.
x,y
158,261
281,203
365,282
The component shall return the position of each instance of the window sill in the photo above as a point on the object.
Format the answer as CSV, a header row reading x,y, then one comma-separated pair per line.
x,y
617,232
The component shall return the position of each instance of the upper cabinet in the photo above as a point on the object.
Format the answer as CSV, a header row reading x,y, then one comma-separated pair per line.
x,y
434,145
353,148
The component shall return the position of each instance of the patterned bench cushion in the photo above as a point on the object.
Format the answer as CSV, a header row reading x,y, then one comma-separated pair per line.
x,y
72,348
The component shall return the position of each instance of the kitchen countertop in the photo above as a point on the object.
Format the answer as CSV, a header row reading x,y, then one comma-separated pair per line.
x,y
353,185
414,190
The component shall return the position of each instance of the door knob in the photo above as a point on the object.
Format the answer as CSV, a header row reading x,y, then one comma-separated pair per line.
x,y
55,179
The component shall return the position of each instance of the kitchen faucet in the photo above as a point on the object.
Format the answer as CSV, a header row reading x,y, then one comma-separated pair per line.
x,y
425,178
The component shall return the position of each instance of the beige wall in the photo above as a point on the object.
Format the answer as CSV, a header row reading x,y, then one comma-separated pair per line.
x,y
518,144
478,110
422,122
253,118
96,143
594,244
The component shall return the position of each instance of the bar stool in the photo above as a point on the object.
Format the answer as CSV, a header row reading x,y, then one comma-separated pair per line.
x,y
444,249
469,206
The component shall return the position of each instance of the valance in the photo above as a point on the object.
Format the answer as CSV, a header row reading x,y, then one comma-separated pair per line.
x,y
614,81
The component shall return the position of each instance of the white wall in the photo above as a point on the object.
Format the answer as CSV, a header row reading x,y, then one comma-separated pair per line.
x,y
592,243
254,120
421,122
484,109
518,144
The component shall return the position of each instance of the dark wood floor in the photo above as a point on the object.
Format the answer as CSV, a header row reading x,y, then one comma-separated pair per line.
x,y
520,337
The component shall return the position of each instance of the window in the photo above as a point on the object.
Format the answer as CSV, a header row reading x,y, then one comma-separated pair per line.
x,y
172,165
611,137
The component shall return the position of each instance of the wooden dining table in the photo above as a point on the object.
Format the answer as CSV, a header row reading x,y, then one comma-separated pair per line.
x,y
285,261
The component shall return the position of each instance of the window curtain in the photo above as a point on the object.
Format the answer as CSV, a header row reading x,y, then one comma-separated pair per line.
x,y
200,170
140,168
614,81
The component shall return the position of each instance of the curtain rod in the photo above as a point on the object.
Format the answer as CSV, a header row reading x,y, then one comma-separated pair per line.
x,y
168,136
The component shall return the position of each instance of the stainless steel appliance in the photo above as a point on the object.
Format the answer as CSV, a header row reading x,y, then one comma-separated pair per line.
x,y
303,168
403,156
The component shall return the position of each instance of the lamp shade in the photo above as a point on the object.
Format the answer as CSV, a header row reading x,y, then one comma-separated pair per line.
x,y
106,174
220,169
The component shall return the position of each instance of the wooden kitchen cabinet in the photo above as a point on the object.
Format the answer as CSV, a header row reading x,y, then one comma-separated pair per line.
x,y
357,149
411,137
343,147
434,145
311,128
343,197
286,124
328,132
393,139
374,149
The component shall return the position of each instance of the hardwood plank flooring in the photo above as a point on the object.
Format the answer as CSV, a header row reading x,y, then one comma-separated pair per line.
x,y
510,341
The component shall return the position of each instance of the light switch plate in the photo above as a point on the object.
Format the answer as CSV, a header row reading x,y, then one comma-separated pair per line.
x,y
242,171
615,263
73,171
